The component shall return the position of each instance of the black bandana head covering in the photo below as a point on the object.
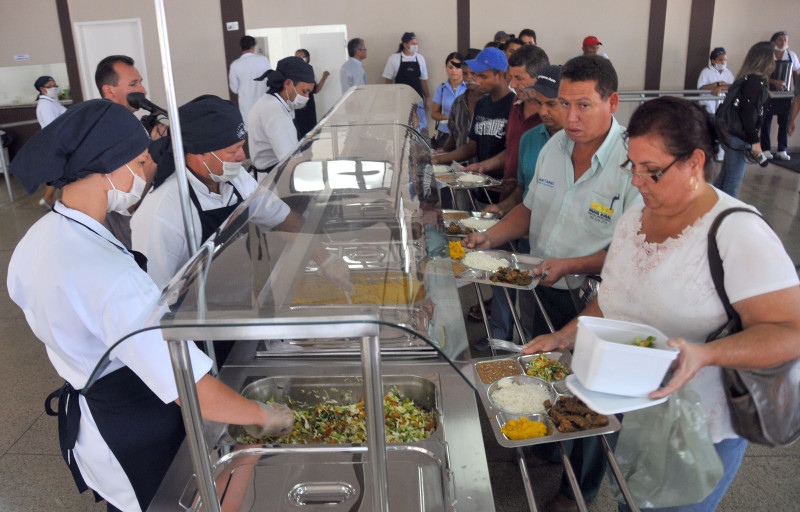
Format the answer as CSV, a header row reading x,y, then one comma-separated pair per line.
x,y
208,123
293,68
41,81
96,136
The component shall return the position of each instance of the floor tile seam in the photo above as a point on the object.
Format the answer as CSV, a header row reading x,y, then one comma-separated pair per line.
x,y
19,438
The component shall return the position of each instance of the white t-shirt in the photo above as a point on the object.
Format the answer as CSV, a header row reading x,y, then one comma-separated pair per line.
x,y
270,131
710,75
393,65
47,110
669,285
157,226
241,79
80,296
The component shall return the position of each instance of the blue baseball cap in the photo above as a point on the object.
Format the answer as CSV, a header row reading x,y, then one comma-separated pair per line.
x,y
489,58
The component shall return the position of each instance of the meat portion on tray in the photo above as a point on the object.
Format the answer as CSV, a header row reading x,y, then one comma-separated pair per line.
x,y
570,414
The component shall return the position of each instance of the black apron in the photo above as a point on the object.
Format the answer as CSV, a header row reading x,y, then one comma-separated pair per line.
x,y
143,433
211,220
408,73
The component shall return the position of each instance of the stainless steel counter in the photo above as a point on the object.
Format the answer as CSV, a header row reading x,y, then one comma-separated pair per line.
x,y
470,489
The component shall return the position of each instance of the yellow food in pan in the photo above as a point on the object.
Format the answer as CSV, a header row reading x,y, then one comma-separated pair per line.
x,y
390,288
523,428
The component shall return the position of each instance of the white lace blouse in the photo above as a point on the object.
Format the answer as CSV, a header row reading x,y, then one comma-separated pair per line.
x,y
668,285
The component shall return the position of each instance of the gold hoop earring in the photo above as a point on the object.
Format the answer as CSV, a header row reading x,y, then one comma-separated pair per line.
x,y
695,184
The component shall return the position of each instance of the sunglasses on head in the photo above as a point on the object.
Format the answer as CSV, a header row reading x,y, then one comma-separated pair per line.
x,y
455,64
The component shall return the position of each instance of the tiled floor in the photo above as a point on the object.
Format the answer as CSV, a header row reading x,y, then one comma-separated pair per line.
x,y
33,476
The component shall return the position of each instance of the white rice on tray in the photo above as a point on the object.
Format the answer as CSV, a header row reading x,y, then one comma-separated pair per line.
x,y
471,178
476,223
519,398
483,261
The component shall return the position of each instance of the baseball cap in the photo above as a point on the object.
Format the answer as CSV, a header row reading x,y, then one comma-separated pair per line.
x,y
500,34
488,58
547,81
591,41
41,81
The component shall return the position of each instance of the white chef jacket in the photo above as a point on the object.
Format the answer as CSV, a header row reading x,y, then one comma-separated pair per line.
x,y
157,226
48,109
710,75
241,79
271,131
80,296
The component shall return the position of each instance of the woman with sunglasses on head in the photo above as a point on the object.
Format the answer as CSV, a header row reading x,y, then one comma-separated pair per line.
x,y
657,271
444,96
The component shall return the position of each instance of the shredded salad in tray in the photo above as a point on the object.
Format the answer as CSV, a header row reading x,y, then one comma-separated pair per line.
x,y
546,368
406,422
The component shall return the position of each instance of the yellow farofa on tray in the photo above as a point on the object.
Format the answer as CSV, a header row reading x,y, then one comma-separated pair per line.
x,y
523,428
389,288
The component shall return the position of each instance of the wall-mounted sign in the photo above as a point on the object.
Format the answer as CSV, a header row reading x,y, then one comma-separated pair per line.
x,y
22,57
232,25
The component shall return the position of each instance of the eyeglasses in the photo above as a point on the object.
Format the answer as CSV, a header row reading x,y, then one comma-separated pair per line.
x,y
648,177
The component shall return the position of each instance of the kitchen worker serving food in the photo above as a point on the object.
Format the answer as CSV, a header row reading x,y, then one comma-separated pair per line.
x,y
86,291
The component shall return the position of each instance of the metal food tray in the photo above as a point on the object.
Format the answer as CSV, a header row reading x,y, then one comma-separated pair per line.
x,y
452,180
516,260
475,215
498,418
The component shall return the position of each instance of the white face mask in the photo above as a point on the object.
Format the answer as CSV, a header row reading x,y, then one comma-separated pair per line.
x,y
720,67
229,170
119,201
299,100
413,48
780,48
52,92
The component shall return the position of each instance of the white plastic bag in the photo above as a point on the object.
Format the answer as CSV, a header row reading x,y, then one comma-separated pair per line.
x,y
666,454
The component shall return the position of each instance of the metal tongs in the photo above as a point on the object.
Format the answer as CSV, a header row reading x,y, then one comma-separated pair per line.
x,y
504,345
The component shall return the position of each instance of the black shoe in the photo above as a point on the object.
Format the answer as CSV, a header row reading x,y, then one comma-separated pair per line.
x,y
482,345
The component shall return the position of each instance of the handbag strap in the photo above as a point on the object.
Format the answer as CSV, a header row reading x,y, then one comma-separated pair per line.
x,y
715,260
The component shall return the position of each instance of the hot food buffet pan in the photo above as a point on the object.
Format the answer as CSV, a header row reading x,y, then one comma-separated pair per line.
x,y
509,390
324,462
517,263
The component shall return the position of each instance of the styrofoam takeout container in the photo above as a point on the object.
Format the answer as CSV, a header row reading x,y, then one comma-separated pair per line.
x,y
604,359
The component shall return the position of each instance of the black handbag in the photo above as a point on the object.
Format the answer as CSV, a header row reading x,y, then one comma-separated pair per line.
x,y
764,403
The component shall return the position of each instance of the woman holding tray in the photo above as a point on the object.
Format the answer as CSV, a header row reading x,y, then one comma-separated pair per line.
x,y
657,271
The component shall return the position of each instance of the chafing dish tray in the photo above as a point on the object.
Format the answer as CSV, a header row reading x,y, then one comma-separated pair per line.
x,y
516,260
466,180
287,479
498,418
305,393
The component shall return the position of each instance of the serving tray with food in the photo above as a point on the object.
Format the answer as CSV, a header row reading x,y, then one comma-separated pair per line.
x,y
500,268
461,223
466,180
528,403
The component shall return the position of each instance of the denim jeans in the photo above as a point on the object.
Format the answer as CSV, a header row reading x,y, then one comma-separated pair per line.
x,y
731,452
732,172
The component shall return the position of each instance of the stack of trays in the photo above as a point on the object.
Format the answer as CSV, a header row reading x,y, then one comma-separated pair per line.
x,y
496,373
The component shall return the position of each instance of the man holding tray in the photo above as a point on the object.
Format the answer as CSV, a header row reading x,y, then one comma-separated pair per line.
x,y
570,216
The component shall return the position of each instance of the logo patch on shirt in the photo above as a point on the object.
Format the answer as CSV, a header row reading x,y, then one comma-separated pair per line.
x,y
546,183
600,213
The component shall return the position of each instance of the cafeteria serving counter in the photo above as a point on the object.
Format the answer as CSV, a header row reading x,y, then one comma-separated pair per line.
x,y
361,296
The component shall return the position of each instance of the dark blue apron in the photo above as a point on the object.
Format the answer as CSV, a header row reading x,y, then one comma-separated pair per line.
x,y
408,73
211,220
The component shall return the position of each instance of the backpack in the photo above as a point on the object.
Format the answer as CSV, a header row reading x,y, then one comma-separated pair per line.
x,y
730,112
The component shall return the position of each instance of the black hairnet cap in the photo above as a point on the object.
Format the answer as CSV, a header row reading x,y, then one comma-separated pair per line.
x,y
96,136
41,81
293,68
408,36
209,123
716,52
